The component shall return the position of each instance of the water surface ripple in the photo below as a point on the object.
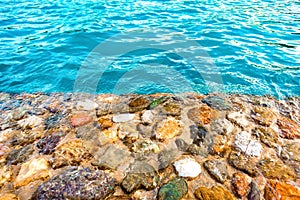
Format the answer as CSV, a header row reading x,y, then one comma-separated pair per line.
x,y
255,45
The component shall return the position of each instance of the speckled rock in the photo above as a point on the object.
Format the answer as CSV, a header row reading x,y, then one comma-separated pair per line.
x,y
291,152
128,132
217,169
173,190
77,184
141,175
276,169
112,158
168,129
218,145
31,122
244,143
166,157
123,117
107,136
241,184
222,126
214,193
280,190
243,163
145,146
171,107
216,103
47,144
80,119
268,136
34,169
200,115
289,128
70,153
16,156
187,167
264,116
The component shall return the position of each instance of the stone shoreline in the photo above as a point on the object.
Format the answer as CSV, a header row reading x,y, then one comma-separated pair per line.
x,y
159,146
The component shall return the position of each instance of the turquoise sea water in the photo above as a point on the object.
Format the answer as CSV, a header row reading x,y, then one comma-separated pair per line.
x,y
242,46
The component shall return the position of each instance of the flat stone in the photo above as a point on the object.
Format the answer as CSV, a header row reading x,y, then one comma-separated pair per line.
x,y
77,184
166,157
268,136
139,103
70,153
31,122
213,193
112,158
171,108
289,128
141,175
80,119
16,156
148,117
276,169
123,117
200,115
217,169
241,184
216,103
87,105
243,163
264,116
128,132
173,190
281,190
222,127
168,128
32,170
238,118
187,168
198,134
244,143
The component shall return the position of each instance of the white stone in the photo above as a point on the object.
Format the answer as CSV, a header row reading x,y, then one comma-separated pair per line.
x,y
87,105
32,121
123,117
147,117
187,168
244,143
239,118
254,149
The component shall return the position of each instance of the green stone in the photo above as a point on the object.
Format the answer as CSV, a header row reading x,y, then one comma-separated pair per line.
x,y
173,190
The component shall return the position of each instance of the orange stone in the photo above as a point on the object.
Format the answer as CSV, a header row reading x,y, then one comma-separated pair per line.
x,y
241,184
105,122
80,119
289,128
280,190
201,115
168,129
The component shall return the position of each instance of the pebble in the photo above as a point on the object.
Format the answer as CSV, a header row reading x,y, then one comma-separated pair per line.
x,y
32,170
213,193
217,169
198,134
187,168
254,193
74,182
244,143
243,163
173,190
123,117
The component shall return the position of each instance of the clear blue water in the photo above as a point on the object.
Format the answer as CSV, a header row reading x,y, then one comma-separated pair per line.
x,y
245,46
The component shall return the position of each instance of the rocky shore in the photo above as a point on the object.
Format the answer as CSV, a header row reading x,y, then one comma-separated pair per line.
x,y
142,147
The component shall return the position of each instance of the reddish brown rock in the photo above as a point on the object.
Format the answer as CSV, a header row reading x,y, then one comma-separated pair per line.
x,y
241,184
280,190
80,119
289,128
200,115
214,193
